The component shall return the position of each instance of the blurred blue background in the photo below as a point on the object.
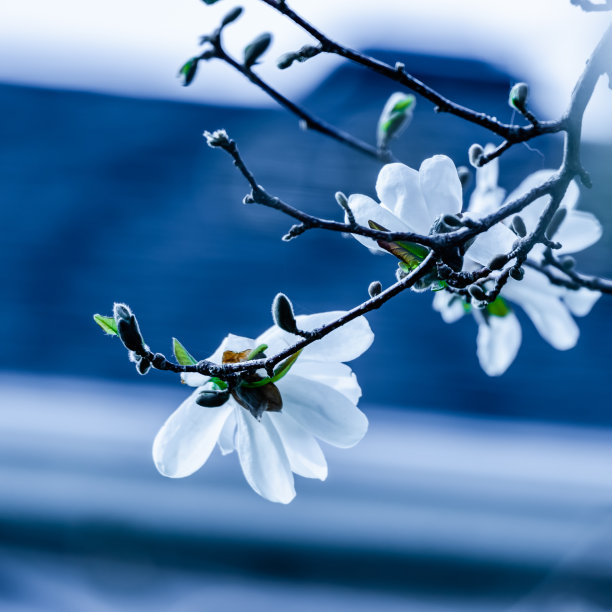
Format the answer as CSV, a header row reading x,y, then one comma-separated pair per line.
x,y
469,493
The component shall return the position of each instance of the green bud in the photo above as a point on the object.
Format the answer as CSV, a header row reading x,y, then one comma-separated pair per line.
x,y
394,118
555,223
374,289
256,49
518,96
518,226
231,16
475,154
477,293
498,262
188,70
517,273
282,313
212,398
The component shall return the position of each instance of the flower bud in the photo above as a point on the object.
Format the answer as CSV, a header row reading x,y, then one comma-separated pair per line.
x,y
143,366
394,118
475,154
285,60
374,289
477,293
517,273
452,221
218,138
188,70
256,49
518,226
518,96
498,262
127,328
555,222
282,313
231,16
568,263
212,398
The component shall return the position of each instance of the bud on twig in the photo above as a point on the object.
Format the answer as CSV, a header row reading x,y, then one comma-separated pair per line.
x,y
568,263
231,16
374,289
143,366
517,273
285,60
498,262
127,328
475,154
256,49
218,138
394,118
282,313
343,203
212,398
188,70
518,226
477,293
518,96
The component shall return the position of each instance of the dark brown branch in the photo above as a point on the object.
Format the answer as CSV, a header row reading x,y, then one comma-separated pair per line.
x,y
513,133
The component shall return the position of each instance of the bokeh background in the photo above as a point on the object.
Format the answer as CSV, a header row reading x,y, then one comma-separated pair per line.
x,y
469,493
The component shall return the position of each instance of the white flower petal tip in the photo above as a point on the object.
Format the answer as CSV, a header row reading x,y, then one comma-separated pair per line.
x,y
498,342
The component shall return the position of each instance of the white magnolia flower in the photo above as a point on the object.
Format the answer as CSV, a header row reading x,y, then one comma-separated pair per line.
x,y
550,307
412,201
319,396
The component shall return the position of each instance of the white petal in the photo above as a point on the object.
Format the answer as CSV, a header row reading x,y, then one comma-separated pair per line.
x,y
237,344
187,438
440,186
305,455
449,306
263,459
193,379
337,375
487,176
343,344
323,411
227,437
366,209
484,202
399,189
495,241
498,342
581,301
546,311
578,231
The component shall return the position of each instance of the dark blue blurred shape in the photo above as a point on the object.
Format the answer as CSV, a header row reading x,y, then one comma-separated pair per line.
x,y
108,199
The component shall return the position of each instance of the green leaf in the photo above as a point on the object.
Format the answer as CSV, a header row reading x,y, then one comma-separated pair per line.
x,y
257,351
108,324
403,104
182,354
499,307
221,384
280,371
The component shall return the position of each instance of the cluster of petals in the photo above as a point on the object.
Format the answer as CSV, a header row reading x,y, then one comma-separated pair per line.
x,y
319,396
412,200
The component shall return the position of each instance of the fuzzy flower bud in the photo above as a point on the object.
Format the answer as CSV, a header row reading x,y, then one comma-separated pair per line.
x,y
282,313
518,96
475,154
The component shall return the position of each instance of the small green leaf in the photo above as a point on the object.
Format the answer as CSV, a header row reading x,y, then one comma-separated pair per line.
x,y
108,324
280,371
221,384
182,354
499,307
403,104
257,351
188,70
